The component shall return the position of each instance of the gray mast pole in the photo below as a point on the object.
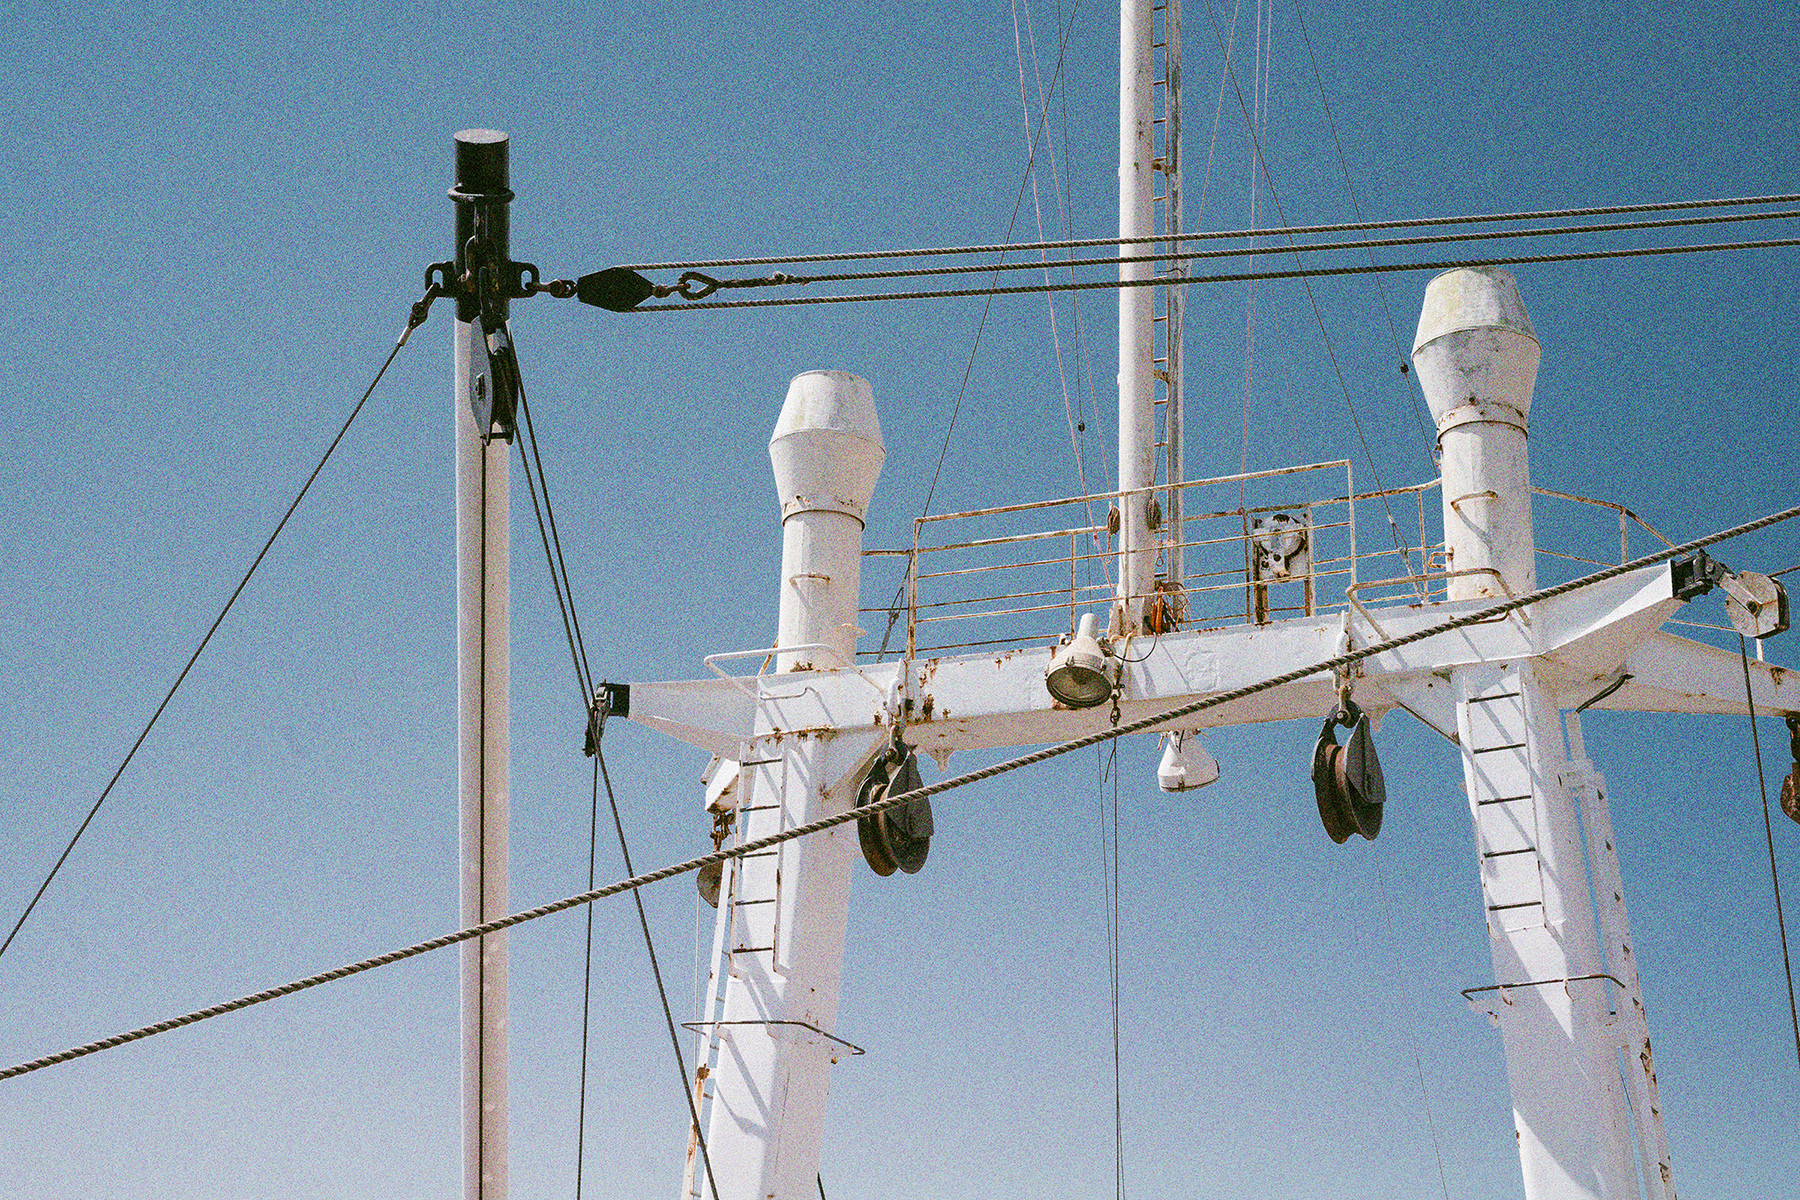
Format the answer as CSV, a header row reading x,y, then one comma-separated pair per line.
x,y
482,635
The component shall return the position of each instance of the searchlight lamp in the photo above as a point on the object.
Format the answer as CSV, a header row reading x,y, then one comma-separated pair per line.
x,y
1081,672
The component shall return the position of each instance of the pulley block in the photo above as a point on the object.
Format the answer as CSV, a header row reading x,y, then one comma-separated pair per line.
x,y
1790,787
897,838
1347,779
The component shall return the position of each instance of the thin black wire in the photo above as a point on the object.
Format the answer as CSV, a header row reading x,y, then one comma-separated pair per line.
x,y
893,608
210,630
1413,391
564,589
1769,835
1232,277
587,985
1114,933
1400,983
1042,754
1210,235
552,544
1312,299
656,970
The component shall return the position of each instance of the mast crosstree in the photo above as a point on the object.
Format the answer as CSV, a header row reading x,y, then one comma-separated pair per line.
x,y
793,744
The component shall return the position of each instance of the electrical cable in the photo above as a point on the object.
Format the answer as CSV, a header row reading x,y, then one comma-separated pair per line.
x,y
1042,754
205,639
1234,277
1769,834
1554,214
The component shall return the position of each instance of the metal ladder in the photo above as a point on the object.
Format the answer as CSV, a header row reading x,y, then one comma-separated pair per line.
x,y
731,927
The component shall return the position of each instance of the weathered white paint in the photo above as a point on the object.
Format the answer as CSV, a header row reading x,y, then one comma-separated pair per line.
x,y
1137,314
1477,359
780,941
482,639
827,454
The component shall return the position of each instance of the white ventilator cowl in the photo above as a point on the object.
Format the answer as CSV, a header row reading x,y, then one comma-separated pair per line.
x,y
827,454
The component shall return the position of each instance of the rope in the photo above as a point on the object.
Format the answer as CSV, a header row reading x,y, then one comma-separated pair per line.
x,y
1769,835
1141,725
1211,235
1238,277
206,638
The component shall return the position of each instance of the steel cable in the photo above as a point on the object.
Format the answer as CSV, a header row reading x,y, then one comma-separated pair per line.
x,y
205,639
1212,235
1140,725
1234,277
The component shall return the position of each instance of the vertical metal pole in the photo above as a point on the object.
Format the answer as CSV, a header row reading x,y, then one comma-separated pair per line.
x,y
1174,297
1137,313
481,691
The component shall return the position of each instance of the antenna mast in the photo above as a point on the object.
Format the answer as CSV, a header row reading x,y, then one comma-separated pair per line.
x,y
1143,95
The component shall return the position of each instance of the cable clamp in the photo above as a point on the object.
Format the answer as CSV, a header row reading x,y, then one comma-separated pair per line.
x,y
610,700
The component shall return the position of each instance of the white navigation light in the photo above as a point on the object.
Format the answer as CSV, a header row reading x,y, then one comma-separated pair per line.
x,y
1081,673
1186,764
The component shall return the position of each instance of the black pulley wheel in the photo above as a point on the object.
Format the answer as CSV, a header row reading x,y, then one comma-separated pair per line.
x,y
896,839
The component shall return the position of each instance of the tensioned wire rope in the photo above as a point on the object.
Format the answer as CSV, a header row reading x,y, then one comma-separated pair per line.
x,y
1253,251
1762,784
413,323
1551,214
1044,754
564,590
1234,277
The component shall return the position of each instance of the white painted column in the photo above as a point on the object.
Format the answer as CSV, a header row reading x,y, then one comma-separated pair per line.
x,y
791,905
1137,313
1477,359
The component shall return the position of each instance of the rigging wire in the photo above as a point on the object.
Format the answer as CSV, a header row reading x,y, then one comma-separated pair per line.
x,y
565,600
1413,390
587,984
1109,859
893,609
1042,754
1553,214
1232,277
1253,251
1259,159
1387,917
1769,835
206,638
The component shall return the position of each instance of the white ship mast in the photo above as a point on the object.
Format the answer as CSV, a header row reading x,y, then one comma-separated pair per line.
x,y
802,740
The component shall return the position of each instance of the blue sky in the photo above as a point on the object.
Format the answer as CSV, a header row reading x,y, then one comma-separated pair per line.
x,y
215,219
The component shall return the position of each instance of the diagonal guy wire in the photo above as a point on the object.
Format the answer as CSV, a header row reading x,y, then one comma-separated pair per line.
x,y
943,785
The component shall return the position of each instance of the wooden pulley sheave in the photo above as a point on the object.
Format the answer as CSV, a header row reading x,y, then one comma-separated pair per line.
x,y
897,838
1347,779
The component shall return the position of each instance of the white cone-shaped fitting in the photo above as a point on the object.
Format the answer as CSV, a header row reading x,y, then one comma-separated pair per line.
x,y
1475,343
826,448
827,454
1477,359
1186,764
